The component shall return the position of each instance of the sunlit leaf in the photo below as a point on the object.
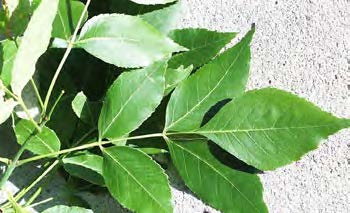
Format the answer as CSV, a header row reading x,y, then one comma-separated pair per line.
x,y
223,188
174,76
164,19
223,78
136,181
33,44
270,128
131,99
7,55
42,143
125,41
203,45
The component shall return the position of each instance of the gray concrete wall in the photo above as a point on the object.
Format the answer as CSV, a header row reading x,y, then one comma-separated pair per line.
x,y
302,46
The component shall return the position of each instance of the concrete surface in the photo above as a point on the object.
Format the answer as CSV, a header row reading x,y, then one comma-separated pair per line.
x,y
299,46
302,46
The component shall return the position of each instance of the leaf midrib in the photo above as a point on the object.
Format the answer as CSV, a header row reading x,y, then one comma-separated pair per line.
x,y
260,129
213,168
135,179
105,38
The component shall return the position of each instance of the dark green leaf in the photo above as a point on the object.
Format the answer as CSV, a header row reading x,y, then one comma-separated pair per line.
x,y
136,181
7,55
164,19
269,128
125,41
33,44
67,209
86,166
68,14
42,143
225,77
131,99
20,18
223,188
203,45
174,76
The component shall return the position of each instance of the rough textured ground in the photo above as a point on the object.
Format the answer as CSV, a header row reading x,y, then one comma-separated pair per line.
x,y
302,47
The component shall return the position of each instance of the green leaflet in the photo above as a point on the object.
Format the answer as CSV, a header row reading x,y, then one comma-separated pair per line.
x,y
7,55
131,99
174,76
224,77
223,188
33,44
67,209
203,45
67,18
164,19
42,143
86,166
84,109
152,2
270,128
125,41
136,181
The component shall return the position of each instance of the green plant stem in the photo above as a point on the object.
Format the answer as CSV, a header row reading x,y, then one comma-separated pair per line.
x,y
64,58
87,146
12,166
55,104
36,181
37,93
21,103
40,202
25,109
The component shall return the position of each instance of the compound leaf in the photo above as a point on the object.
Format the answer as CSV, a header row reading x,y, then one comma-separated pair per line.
x,y
136,181
224,77
131,99
86,166
269,128
223,188
42,143
33,44
67,209
203,45
67,18
125,41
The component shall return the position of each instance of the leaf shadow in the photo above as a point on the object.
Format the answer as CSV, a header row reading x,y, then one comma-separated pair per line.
x,y
230,160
